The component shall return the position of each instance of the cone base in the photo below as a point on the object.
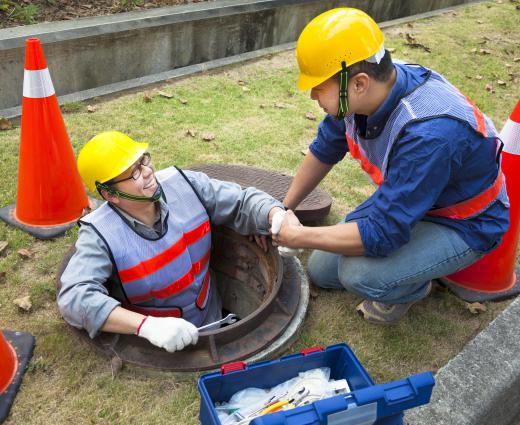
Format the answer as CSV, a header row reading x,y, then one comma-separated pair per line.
x,y
7,214
479,296
23,343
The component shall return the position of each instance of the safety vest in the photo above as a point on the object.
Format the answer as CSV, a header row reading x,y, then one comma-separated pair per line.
x,y
168,276
434,98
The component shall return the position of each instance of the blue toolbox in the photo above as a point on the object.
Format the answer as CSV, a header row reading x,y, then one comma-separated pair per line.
x,y
365,404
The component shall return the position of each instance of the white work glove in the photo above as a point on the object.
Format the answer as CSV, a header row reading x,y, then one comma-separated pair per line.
x,y
276,225
169,333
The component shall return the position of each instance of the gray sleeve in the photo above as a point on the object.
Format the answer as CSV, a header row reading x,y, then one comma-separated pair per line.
x,y
244,210
83,299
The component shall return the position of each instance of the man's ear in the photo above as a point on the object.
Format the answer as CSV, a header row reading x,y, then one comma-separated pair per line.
x,y
109,196
361,83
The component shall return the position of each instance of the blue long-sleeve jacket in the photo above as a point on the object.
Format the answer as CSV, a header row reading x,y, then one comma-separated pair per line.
x,y
434,163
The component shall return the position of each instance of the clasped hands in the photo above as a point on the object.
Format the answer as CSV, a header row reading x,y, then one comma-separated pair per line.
x,y
285,226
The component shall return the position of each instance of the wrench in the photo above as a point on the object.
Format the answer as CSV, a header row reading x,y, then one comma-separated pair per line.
x,y
229,319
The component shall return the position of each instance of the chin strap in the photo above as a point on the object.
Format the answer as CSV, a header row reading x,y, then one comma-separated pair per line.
x,y
343,94
155,197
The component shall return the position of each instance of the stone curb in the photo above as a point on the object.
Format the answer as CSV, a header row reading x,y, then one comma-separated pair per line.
x,y
481,385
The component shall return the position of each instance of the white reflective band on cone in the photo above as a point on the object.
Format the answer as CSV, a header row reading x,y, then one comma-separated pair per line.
x,y
37,84
510,135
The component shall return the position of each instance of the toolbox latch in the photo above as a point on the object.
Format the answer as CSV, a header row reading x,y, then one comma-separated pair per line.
x,y
232,367
311,350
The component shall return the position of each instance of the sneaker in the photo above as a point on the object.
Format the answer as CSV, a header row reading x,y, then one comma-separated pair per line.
x,y
385,314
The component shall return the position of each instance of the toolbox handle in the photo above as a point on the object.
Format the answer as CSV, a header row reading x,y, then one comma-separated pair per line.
x,y
397,396
308,351
232,367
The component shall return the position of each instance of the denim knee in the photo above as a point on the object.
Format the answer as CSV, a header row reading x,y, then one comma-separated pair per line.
x,y
356,276
322,268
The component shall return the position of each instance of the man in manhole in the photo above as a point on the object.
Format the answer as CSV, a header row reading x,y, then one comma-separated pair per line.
x,y
141,264
440,202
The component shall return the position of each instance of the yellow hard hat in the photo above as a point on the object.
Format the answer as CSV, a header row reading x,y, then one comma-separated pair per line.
x,y
106,156
338,35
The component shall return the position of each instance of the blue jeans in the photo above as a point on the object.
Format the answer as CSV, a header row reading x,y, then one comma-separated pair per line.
x,y
433,251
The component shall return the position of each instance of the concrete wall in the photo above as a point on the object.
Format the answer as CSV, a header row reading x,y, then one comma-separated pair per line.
x,y
107,51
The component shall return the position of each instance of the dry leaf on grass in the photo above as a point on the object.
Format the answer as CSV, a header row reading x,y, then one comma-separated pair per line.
x,y
410,38
244,88
164,94
262,106
116,364
390,49
91,108
484,52
310,116
5,124
190,132
476,308
208,137
305,151
23,303
3,246
478,77
24,253
489,88
516,59
412,42
241,82
147,98
501,83
183,101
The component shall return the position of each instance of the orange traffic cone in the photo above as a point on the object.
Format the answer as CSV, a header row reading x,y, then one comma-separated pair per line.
x,y
51,195
15,351
494,277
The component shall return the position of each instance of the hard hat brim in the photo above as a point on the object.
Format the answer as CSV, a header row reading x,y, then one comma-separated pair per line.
x,y
306,82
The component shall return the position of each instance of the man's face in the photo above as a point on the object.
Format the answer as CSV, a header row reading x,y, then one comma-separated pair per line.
x,y
138,179
327,96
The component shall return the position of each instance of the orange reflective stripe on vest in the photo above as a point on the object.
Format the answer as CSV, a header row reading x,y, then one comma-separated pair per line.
x,y
155,263
479,116
177,285
473,205
366,165
203,294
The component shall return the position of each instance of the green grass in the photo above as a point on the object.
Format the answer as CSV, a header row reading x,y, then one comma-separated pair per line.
x,y
68,382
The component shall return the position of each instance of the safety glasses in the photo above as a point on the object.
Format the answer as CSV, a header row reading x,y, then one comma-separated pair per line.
x,y
144,161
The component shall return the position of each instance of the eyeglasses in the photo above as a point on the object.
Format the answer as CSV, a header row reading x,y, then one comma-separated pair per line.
x,y
144,161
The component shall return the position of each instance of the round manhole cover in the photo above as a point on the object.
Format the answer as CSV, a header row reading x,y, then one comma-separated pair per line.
x,y
314,207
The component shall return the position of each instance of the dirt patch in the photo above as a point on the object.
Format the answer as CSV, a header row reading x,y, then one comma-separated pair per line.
x,y
26,12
